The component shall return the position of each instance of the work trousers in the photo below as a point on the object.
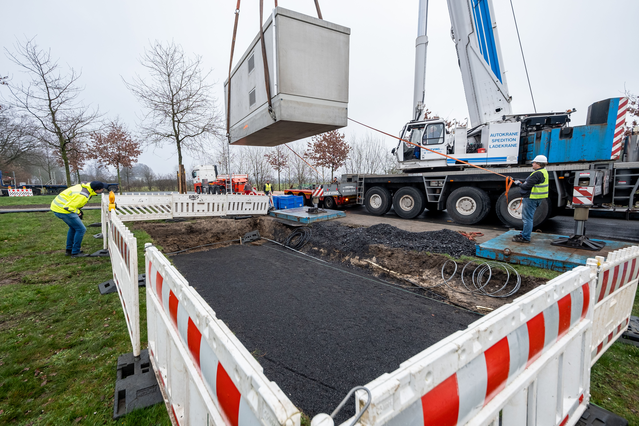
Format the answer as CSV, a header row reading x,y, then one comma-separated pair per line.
x,y
528,213
76,231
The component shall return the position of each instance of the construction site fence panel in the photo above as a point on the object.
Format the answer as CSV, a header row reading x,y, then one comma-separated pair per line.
x,y
123,249
526,363
614,298
206,375
154,207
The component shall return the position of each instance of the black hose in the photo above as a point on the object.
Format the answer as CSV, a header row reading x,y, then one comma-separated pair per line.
x,y
298,238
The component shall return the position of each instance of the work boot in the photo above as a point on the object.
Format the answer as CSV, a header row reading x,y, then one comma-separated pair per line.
x,y
520,239
68,253
79,254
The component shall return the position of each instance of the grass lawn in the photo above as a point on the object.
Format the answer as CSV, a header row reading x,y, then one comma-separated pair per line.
x,y
36,199
60,339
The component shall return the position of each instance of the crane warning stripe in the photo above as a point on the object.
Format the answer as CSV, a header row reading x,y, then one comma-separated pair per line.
x,y
619,128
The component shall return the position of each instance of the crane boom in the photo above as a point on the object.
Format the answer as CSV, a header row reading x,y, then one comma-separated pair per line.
x,y
474,31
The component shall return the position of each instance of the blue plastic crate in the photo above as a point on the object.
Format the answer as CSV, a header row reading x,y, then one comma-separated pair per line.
x,y
283,202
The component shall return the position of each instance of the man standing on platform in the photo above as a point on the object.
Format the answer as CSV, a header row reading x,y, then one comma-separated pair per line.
x,y
533,192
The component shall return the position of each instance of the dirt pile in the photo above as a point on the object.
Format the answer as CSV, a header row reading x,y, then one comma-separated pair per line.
x,y
334,236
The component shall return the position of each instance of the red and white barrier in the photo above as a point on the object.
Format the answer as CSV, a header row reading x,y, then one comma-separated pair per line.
x,y
614,297
143,207
617,141
123,249
247,204
206,375
526,363
20,193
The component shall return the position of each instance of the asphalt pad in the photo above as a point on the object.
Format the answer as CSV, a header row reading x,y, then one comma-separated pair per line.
x,y
318,329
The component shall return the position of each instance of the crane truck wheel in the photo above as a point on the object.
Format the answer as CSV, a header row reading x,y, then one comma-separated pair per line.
x,y
329,203
198,190
408,202
509,210
378,201
468,205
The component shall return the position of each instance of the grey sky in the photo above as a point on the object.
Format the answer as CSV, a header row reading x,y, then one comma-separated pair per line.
x,y
577,51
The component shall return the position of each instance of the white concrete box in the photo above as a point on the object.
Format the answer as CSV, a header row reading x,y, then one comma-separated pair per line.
x,y
308,76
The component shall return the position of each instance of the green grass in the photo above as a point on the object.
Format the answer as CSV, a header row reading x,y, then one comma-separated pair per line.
x,y
36,199
59,338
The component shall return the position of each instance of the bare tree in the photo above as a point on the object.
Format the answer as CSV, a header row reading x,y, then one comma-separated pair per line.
x,y
17,144
147,175
179,106
278,159
51,97
258,166
300,172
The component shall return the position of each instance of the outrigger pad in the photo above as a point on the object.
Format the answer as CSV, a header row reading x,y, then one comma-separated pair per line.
x,y
579,242
136,385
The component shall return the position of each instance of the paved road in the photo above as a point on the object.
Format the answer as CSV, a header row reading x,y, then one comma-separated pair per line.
x,y
616,229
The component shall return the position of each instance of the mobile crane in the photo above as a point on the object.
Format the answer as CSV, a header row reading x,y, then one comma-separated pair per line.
x,y
499,141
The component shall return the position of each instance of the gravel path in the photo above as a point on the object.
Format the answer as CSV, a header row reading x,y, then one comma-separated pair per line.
x,y
317,329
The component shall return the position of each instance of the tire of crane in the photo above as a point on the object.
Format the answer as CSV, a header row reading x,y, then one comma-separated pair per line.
x,y
329,203
468,205
408,202
198,190
509,211
378,201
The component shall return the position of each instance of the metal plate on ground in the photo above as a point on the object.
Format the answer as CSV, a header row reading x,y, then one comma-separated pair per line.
x,y
301,215
540,253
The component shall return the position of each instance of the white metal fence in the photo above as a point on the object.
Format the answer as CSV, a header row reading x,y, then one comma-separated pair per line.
x,y
207,376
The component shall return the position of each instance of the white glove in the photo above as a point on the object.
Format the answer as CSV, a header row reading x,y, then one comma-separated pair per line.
x,y
517,182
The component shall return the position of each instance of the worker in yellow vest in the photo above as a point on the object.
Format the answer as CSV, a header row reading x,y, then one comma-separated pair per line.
x,y
67,206
268,188
533,191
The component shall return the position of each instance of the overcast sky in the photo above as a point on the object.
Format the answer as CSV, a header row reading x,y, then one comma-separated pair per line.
x,y
578,51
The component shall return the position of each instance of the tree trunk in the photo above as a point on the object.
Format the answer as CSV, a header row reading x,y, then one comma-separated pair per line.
x,y
117,167
65,161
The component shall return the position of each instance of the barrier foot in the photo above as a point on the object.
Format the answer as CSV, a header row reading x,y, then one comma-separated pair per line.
x,y
99,236
136,385
598,416
100,253
96,225
109,287
631,336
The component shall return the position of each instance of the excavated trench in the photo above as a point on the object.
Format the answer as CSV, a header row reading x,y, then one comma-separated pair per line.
x,y
352,306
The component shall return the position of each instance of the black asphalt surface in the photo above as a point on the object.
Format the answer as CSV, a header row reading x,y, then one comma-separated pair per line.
x,y
317,329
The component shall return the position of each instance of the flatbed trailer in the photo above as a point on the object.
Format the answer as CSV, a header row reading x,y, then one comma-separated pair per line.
x,y
334,195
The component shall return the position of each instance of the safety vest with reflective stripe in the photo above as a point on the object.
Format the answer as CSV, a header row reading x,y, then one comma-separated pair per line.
x,y
268,187
72,199
540,190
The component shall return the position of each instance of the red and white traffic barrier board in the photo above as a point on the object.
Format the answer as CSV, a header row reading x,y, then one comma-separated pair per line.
x,y
518,365
617,141
20,193
206,375
614,297
123,249
319,191
583,195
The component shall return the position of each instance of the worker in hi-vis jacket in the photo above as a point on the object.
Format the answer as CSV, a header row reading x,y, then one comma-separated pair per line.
x,y
67,206
533,191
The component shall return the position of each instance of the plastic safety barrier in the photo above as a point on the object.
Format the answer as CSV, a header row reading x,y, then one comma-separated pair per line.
x,y
123,249
153,207
20,193
206,375
143,207
526,363
614,297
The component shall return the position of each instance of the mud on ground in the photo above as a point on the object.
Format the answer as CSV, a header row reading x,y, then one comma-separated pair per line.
x,y
413,260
